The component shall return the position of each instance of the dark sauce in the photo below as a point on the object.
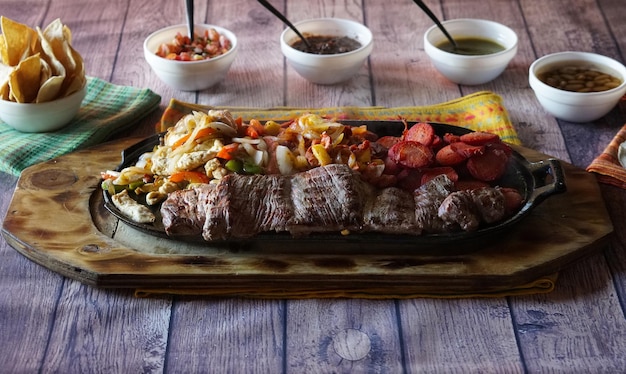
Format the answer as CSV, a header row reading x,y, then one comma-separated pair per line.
x,y
471,46
327,45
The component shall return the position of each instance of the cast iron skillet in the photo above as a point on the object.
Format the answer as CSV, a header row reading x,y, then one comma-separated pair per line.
x,y
535,181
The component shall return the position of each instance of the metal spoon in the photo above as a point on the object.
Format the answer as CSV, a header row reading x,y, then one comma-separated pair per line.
x,y
189,4
434,18
280,16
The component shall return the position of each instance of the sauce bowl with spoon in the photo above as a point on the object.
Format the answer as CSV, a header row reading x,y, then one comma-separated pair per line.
x,y
482,50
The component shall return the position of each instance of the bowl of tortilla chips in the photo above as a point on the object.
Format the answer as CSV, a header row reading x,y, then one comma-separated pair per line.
x,y
42,77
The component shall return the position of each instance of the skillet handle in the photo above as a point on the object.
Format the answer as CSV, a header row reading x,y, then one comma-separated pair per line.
x,y
541,170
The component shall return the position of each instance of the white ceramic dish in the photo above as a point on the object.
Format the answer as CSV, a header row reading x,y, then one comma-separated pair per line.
x,y
327,69
577,106
189,75
471,70
42,117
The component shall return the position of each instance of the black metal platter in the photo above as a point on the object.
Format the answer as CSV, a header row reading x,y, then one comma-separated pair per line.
x,y
535,181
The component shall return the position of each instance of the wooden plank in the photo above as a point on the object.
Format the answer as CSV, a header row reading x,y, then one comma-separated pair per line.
x,y
461,334
226,336
587,304
343,336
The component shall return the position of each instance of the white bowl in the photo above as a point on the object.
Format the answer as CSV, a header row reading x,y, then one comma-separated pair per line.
x,y
471,70
42,117
188,75
327,69
577,106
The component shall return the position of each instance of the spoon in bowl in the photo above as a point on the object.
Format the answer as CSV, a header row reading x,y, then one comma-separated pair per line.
x,y
280,16
189,5
436,20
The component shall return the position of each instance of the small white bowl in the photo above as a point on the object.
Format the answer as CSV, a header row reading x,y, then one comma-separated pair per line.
x,y
471,70
577,106
327,69
42,117
188,75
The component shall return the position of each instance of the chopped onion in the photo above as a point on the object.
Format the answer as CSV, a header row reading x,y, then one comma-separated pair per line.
x,y
247,141
284,158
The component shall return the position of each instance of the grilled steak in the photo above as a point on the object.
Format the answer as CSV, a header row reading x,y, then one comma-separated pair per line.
x,y
391,210
327,199
324,199
183,214
428,198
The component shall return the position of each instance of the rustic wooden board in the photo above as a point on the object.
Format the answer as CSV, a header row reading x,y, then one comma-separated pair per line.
x,y
56,218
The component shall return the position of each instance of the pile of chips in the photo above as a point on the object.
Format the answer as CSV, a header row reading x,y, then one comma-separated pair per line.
x,y
38,65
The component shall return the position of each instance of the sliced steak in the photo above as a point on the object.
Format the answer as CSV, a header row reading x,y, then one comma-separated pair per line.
x,y
327,199
181,212
459,208
490,204
391,210
427,199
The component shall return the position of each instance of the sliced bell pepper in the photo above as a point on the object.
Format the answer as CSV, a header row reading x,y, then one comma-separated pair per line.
x,y
201,134
228,151
189,176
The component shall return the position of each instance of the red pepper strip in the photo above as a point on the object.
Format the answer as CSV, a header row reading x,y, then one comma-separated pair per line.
x,y
201,134
189,176
227,152
254,129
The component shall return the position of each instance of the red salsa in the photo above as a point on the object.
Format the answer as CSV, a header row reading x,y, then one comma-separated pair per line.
x,y
203,47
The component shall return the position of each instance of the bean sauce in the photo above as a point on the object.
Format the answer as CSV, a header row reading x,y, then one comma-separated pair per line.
x,y
579,79
327,45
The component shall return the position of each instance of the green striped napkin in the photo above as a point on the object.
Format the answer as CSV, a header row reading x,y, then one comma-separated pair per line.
x,y
106,110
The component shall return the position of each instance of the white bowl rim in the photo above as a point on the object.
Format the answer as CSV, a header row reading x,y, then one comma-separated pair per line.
x,y
576,56
506,50
301,54
232,37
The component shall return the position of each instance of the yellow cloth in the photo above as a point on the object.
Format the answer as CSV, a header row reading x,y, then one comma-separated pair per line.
x,y
481,111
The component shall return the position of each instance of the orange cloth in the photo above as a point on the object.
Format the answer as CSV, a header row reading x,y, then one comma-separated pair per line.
x,y
607,165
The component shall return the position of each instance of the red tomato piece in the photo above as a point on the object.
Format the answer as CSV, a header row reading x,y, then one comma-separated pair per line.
x,y
479,138
488,166
447,156
513,200
467,150
421,132
411,154
388,141
451,138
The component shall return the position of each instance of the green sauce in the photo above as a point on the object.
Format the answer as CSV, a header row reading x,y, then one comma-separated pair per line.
x,y
471,46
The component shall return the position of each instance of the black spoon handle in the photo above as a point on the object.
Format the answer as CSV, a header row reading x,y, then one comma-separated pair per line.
x,y
278,14
189,4
434,18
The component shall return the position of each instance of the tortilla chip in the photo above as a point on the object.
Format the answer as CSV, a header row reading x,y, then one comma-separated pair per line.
x,y
19,41
24,80
4,81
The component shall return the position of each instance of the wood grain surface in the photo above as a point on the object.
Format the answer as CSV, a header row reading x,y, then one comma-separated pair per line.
x,y
51,323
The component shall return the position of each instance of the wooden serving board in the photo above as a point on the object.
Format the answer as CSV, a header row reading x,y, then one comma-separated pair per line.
x,y
57,219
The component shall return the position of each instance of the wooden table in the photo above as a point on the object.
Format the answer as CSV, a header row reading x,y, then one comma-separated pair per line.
x,y
49,323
